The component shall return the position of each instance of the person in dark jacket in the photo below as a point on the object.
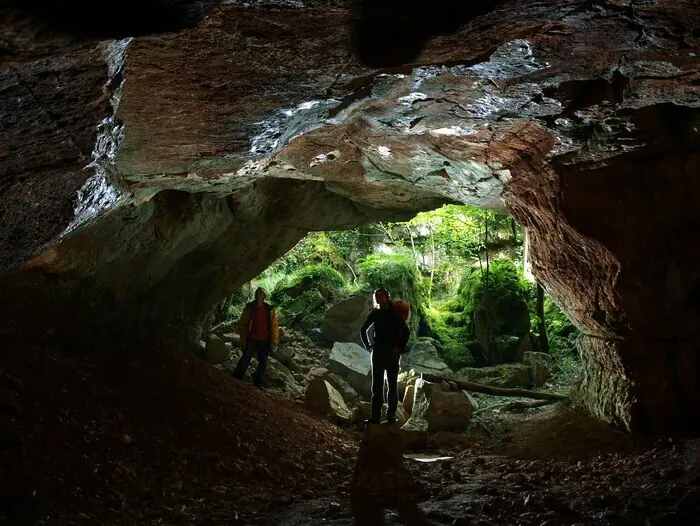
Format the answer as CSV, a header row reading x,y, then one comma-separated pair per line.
x,y
390,338
259,332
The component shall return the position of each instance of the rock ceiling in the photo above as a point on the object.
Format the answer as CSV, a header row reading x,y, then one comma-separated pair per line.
x,y
152,161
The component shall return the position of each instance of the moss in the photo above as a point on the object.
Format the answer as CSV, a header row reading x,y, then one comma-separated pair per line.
x,y
451,334
401,277
303,298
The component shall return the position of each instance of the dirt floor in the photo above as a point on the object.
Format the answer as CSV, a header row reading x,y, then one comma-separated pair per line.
x,y
158,437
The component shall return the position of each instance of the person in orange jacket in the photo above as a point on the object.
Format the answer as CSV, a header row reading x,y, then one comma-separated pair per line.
x,y
259,332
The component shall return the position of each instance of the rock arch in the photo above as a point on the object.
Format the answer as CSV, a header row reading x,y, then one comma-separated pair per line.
x,y
144,178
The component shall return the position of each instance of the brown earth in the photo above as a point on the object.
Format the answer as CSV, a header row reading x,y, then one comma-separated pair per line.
x,y
156,436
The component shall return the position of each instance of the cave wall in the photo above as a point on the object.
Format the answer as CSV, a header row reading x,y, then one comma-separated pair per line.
x,y
614,244
147,169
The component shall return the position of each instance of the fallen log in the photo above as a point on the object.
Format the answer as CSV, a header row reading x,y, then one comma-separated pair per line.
x,y
516,405
496,391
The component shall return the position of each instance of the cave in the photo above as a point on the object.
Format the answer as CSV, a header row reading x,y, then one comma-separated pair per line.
x,y
150,168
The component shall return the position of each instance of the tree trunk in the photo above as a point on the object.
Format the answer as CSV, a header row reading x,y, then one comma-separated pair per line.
x,y
486,244
433,264
541,325
497,391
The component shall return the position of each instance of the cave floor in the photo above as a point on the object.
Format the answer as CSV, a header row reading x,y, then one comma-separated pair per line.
x,y
155,436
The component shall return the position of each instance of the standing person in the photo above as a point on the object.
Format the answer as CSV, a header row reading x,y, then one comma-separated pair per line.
x,y
259,332
390,337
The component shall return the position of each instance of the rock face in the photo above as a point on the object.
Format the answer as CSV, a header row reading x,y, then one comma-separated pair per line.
x,y
514,317
423,358
216,350
342,322
346,391
435,409
540,365
128,165
352,363
322,398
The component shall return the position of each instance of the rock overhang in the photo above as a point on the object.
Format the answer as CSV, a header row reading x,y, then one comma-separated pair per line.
x,y
147,177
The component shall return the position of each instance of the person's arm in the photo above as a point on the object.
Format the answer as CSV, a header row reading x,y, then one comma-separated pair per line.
x,y
243,327
274,330
363,331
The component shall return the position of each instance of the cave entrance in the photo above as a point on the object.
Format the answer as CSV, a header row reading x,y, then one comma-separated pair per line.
x,y
477,315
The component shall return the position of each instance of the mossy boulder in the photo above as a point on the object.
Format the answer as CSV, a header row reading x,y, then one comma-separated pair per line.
x,y
303,298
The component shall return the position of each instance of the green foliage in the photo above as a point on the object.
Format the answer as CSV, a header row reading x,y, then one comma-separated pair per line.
x,y
561,332
399,274
451,331
503,281
304,297
499,302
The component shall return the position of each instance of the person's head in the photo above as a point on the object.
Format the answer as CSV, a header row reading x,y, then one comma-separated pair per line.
x,y
381,298
260,294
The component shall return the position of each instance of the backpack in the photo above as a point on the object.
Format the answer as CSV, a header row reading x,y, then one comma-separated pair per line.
x,y
401,337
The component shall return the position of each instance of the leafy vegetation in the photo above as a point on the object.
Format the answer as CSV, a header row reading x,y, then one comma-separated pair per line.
x,y
400,275
305,296
458,266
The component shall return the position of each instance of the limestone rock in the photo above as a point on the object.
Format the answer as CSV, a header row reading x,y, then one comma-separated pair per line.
x,y
159,197
540,365
342,322
346,391
323,399
352,363
362,412
231,337
216,351
408,398
284,354
406,378
505,375
423,358
277,376
435,409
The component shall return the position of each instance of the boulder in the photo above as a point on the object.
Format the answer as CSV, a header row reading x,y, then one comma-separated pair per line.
x,y
363,410
352,363
346,391
407,378
216,350
435,409
277,376
323,399
231,337
284,354
342,322
505,316
408,398
540,364
423,358
505,375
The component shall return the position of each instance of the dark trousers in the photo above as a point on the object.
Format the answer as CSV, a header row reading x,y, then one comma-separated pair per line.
x,y
263,349
383,360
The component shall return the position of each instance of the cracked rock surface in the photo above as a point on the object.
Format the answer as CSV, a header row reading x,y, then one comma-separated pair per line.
x,y
146,172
